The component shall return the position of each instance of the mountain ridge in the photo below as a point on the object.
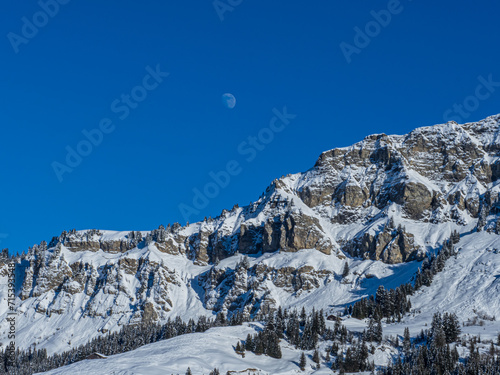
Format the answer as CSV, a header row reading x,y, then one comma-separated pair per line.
x,y
379,205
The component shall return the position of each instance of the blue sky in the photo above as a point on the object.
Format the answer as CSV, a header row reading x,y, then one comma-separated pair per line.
x,y
62,78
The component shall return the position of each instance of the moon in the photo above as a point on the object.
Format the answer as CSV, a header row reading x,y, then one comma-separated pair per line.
x,y
228,100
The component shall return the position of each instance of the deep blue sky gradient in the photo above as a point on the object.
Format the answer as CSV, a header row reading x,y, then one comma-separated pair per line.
x,y
268,54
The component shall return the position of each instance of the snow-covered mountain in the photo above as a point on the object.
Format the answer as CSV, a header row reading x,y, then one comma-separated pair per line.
x,y
378,205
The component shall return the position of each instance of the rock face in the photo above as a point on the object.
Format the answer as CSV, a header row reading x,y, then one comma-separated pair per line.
x,y
52,281
415,197
292,232
92,241
390,245
244,287
418,171
375,200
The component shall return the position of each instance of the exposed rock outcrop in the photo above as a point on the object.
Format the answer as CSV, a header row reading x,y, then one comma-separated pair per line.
x,y
390,245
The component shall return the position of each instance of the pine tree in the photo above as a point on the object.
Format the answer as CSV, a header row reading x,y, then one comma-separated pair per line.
x,y
345,272
322,323
451,327
439,337
334,349
245,263
188,371
350,361
238,348
341,368
272,349
363,354
277,351
220,319
381,299
303,362
315,357
249,344
303,316
437,321
259,347
370,332
407,340
378,331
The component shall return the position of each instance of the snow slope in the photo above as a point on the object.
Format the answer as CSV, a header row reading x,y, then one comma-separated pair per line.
x,y
198,352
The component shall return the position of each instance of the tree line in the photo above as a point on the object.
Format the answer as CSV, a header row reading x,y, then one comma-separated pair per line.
x,y
128,338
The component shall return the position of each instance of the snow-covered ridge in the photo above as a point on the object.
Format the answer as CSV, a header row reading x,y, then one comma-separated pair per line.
x,y
379,205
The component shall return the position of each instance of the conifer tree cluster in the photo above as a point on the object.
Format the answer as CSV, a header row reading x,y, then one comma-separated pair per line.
x,y
436,356
445,328
265,342
301,330
393,304
374,331
348,353
432,352
355,359
390,304
434,264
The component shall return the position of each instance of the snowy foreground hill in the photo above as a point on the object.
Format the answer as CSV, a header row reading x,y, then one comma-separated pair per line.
x,y
198,352
379,206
